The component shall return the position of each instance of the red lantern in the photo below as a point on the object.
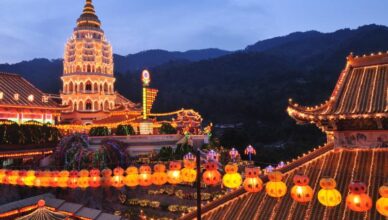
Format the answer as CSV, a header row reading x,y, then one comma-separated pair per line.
x,y
38,178
159,177
211,176
301,192
46,177
22,176
13,177
252,182
132,177
358,200
106,177
145,178
118,177
94,179
63,178
174,173
83,179
73,179
54,180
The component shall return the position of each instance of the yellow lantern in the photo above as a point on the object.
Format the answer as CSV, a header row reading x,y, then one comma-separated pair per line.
x,y
382,203
106,177
145,177
38,178
30,178
328,195
63,178
159,177
252,182
2,175
174,173
13,177
358,200
275,187
22,175
73,179
95,178
83,179
118,177
211,176
132,177
232,179
301,192
46,177
54,178
188,173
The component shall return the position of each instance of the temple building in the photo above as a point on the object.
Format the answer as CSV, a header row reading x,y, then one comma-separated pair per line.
x,y
21,102
355,121
88,80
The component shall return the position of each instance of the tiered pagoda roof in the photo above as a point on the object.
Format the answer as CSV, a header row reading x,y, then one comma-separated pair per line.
x,y
15,91
360,93
88,17
368,165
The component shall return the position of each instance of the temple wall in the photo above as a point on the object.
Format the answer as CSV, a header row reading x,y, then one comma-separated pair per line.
x,y
361,139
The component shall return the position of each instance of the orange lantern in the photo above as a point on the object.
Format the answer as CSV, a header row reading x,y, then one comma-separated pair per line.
x,y
252,182
38,178
382,203
159,177
54,180
106,179
83,179
22,176
63,178
358,200
145,177
6,176
46,177
13,177
301,192
30,178
73,179
2,175
94,179
275,187
118,177
328,195
132,177
211,176
174,173
232,179
188,173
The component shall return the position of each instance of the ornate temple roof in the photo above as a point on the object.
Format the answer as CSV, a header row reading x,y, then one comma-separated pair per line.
x,y
15,91
361,92
88,17
344,165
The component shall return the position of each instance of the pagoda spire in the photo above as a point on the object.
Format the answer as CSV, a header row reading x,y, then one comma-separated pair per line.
x,y
88,17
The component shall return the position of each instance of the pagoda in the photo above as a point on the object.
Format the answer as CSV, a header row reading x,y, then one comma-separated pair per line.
x,y
88,80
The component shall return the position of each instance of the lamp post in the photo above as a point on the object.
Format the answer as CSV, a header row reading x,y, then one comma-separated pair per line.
x,y
198,160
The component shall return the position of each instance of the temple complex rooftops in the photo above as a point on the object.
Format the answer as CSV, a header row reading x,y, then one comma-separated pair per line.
x,y
15,91
361,92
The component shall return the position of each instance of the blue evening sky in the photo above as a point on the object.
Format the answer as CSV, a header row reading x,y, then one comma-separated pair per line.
x,y
40,28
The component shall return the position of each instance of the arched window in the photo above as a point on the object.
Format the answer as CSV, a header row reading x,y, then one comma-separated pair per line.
x,y
105,87
80,106
65,90
75,106
96,106
88,86
95,87
71,86
75,87
78,69
106,105
89,69
110,89
88,105
70,104
81,87
98,69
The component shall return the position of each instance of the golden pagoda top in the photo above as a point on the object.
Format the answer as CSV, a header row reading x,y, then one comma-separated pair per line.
x,y
88,17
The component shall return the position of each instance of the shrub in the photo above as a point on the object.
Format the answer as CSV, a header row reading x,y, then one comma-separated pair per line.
x,y
99,131
125,130
167,128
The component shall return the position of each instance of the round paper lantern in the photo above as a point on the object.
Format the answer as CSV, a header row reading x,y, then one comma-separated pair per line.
x,y
132,177
106,177
30,178
358,200
188,173
95,178
211,176
54,180
2,175
328,195
38,178
73,179
174,173
22,176
83,179
13,177
118,177
382,203
63,178
301,192
252,182
232,179
275,187
145,178
159,177
46,177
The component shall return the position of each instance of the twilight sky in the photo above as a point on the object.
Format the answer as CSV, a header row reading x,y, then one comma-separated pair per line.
x,y
40,28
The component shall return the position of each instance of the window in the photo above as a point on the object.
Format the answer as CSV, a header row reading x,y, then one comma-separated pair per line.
x,y
88,105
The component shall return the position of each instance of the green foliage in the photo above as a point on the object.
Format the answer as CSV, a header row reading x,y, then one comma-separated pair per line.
x,y
28,134
167,128
125,130
99,131
166,154
181,150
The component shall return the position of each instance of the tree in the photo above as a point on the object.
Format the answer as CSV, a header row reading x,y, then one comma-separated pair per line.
x,y
167,128
166,154
99,131
125,130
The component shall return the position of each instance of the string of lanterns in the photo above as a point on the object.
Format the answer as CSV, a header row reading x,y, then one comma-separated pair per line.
x,y
357,199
